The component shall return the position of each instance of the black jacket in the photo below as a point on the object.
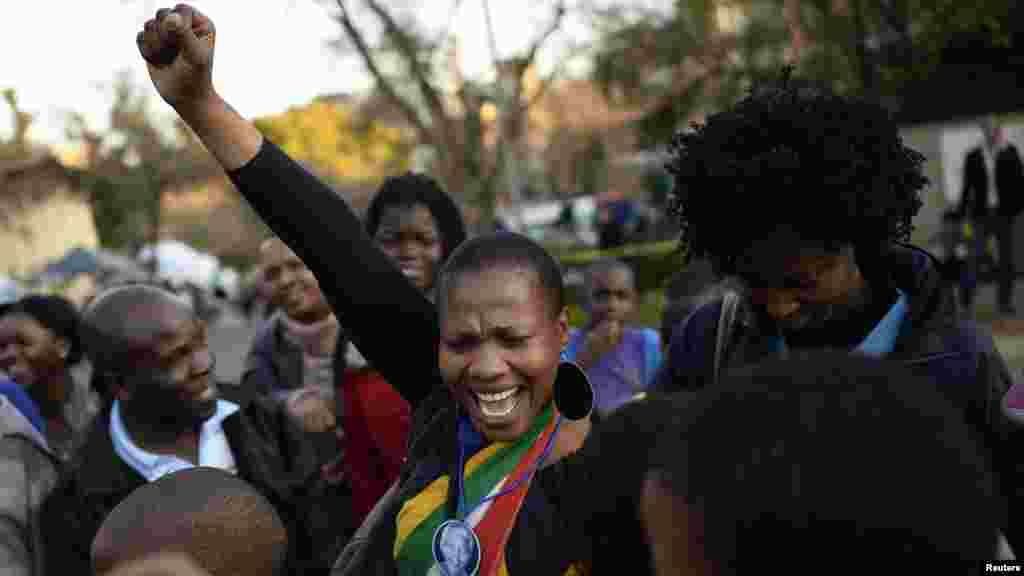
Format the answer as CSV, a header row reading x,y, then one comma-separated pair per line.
x,y
1009,183
270,454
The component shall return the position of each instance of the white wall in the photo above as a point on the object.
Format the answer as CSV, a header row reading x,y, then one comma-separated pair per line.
x,y
926,140
957,140
45,232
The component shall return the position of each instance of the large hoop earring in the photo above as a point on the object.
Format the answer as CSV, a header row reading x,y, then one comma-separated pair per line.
x,y
574,396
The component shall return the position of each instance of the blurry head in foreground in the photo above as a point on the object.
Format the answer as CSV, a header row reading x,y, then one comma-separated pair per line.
x,y
821,458
160,564
218,520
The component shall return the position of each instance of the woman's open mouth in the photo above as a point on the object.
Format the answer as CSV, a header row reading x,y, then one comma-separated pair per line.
x,y
498,405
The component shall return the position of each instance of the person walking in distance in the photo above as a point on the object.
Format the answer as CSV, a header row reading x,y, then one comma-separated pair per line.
x,y
993,185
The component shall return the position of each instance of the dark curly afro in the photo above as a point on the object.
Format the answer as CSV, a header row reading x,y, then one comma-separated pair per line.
x,y
794,155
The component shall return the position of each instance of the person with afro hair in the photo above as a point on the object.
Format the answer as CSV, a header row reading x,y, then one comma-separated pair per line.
x,y
828,192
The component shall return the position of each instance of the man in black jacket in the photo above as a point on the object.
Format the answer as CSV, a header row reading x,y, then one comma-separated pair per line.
x,y
991,200
150,349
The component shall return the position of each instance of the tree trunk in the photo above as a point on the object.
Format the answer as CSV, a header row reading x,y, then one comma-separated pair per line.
x,y
864,60
511,115
154,192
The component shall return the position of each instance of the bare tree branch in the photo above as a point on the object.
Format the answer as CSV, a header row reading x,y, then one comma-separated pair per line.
x,y
443,33
383,82
406,45
494,168
556,23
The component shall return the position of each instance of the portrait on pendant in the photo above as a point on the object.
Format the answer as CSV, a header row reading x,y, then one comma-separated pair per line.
x,y
456,550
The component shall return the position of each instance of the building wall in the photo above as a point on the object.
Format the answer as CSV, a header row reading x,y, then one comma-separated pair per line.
x,y
45,230
928,141
944,146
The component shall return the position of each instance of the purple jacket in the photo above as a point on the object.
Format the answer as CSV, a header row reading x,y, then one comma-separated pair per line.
x,y
625,371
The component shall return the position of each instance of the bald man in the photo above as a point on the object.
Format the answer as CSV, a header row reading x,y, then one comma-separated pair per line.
x,y
150,352
222,523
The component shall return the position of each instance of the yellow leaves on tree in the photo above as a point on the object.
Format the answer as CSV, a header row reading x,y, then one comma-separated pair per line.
x,y
327,136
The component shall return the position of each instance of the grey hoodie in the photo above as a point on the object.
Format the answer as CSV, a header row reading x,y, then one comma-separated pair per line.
x,y
29,470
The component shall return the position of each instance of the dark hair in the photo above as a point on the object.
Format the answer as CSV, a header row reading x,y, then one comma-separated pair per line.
x,y
411,189
606,265
793,154
808,458
56,314
504,248
617,455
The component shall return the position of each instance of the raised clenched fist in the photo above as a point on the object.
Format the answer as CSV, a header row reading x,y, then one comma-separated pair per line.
x,y
178,48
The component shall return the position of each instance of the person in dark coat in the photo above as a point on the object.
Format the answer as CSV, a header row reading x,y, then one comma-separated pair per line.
x,y
823,262
991,199
164,415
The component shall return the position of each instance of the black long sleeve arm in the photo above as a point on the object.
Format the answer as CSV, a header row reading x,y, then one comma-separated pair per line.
x,y
391,323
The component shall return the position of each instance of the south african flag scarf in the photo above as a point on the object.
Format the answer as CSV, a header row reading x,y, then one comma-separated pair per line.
x,y
485,474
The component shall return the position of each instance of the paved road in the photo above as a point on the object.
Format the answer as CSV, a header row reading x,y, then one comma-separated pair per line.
x,y
230,338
